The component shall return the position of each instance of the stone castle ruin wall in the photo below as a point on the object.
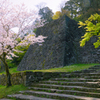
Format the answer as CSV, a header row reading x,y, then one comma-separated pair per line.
x,y
61,47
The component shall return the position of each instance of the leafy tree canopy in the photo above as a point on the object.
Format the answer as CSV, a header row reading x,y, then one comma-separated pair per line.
x,y
59,14
92,27
46,14
56,15
81,10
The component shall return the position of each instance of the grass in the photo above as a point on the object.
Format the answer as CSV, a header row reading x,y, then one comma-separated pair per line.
x,y
10,90
70,68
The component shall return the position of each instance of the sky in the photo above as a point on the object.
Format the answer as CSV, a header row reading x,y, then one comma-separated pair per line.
x,y
54,5
31,4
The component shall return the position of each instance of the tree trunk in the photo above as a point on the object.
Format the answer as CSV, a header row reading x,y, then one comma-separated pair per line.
x,y
8,75
7,72
2,66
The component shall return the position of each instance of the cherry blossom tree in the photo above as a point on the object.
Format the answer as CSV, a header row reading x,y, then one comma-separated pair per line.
x,y
12,17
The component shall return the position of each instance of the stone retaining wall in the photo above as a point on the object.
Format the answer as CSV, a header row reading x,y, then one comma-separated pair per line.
x,y
58,50
28,78
16,78
61,47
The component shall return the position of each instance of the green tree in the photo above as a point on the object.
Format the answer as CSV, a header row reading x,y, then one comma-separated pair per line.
x,y
89,7
73,6
59,14
46,14
92,27
23,49
82,9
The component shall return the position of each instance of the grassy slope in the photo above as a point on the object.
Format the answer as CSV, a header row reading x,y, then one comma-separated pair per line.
x,y
70,68
14,89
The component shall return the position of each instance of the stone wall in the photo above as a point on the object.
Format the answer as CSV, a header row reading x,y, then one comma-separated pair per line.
x,y
52,53
28,78
61,47
88,54
17,78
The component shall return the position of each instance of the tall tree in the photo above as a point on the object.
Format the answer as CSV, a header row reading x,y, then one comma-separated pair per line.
x,y
10,17
73,7
89,8
82,9
46,14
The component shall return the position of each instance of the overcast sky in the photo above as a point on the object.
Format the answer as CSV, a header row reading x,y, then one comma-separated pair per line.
x,y
31,4
54,5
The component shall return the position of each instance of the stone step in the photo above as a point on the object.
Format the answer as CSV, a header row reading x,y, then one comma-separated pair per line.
x,y
96,68
89,70
72,92
66,87
27,97
78,75
78,85
74,79
59,96
72,75
91,74
87,84
92,77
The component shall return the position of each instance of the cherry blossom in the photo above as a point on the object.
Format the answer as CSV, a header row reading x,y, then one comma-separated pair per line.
x,y
11,17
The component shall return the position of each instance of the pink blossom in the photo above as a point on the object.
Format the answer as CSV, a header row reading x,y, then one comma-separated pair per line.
x,y
16,16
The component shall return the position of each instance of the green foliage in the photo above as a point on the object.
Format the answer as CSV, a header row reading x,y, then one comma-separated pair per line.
x,y
46,14
92,27
35,30
10,64
73,6
59,14
82,7
78,18
12,70
18,39
16,60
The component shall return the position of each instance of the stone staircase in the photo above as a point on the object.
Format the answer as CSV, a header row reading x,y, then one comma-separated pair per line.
x,y
78,85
